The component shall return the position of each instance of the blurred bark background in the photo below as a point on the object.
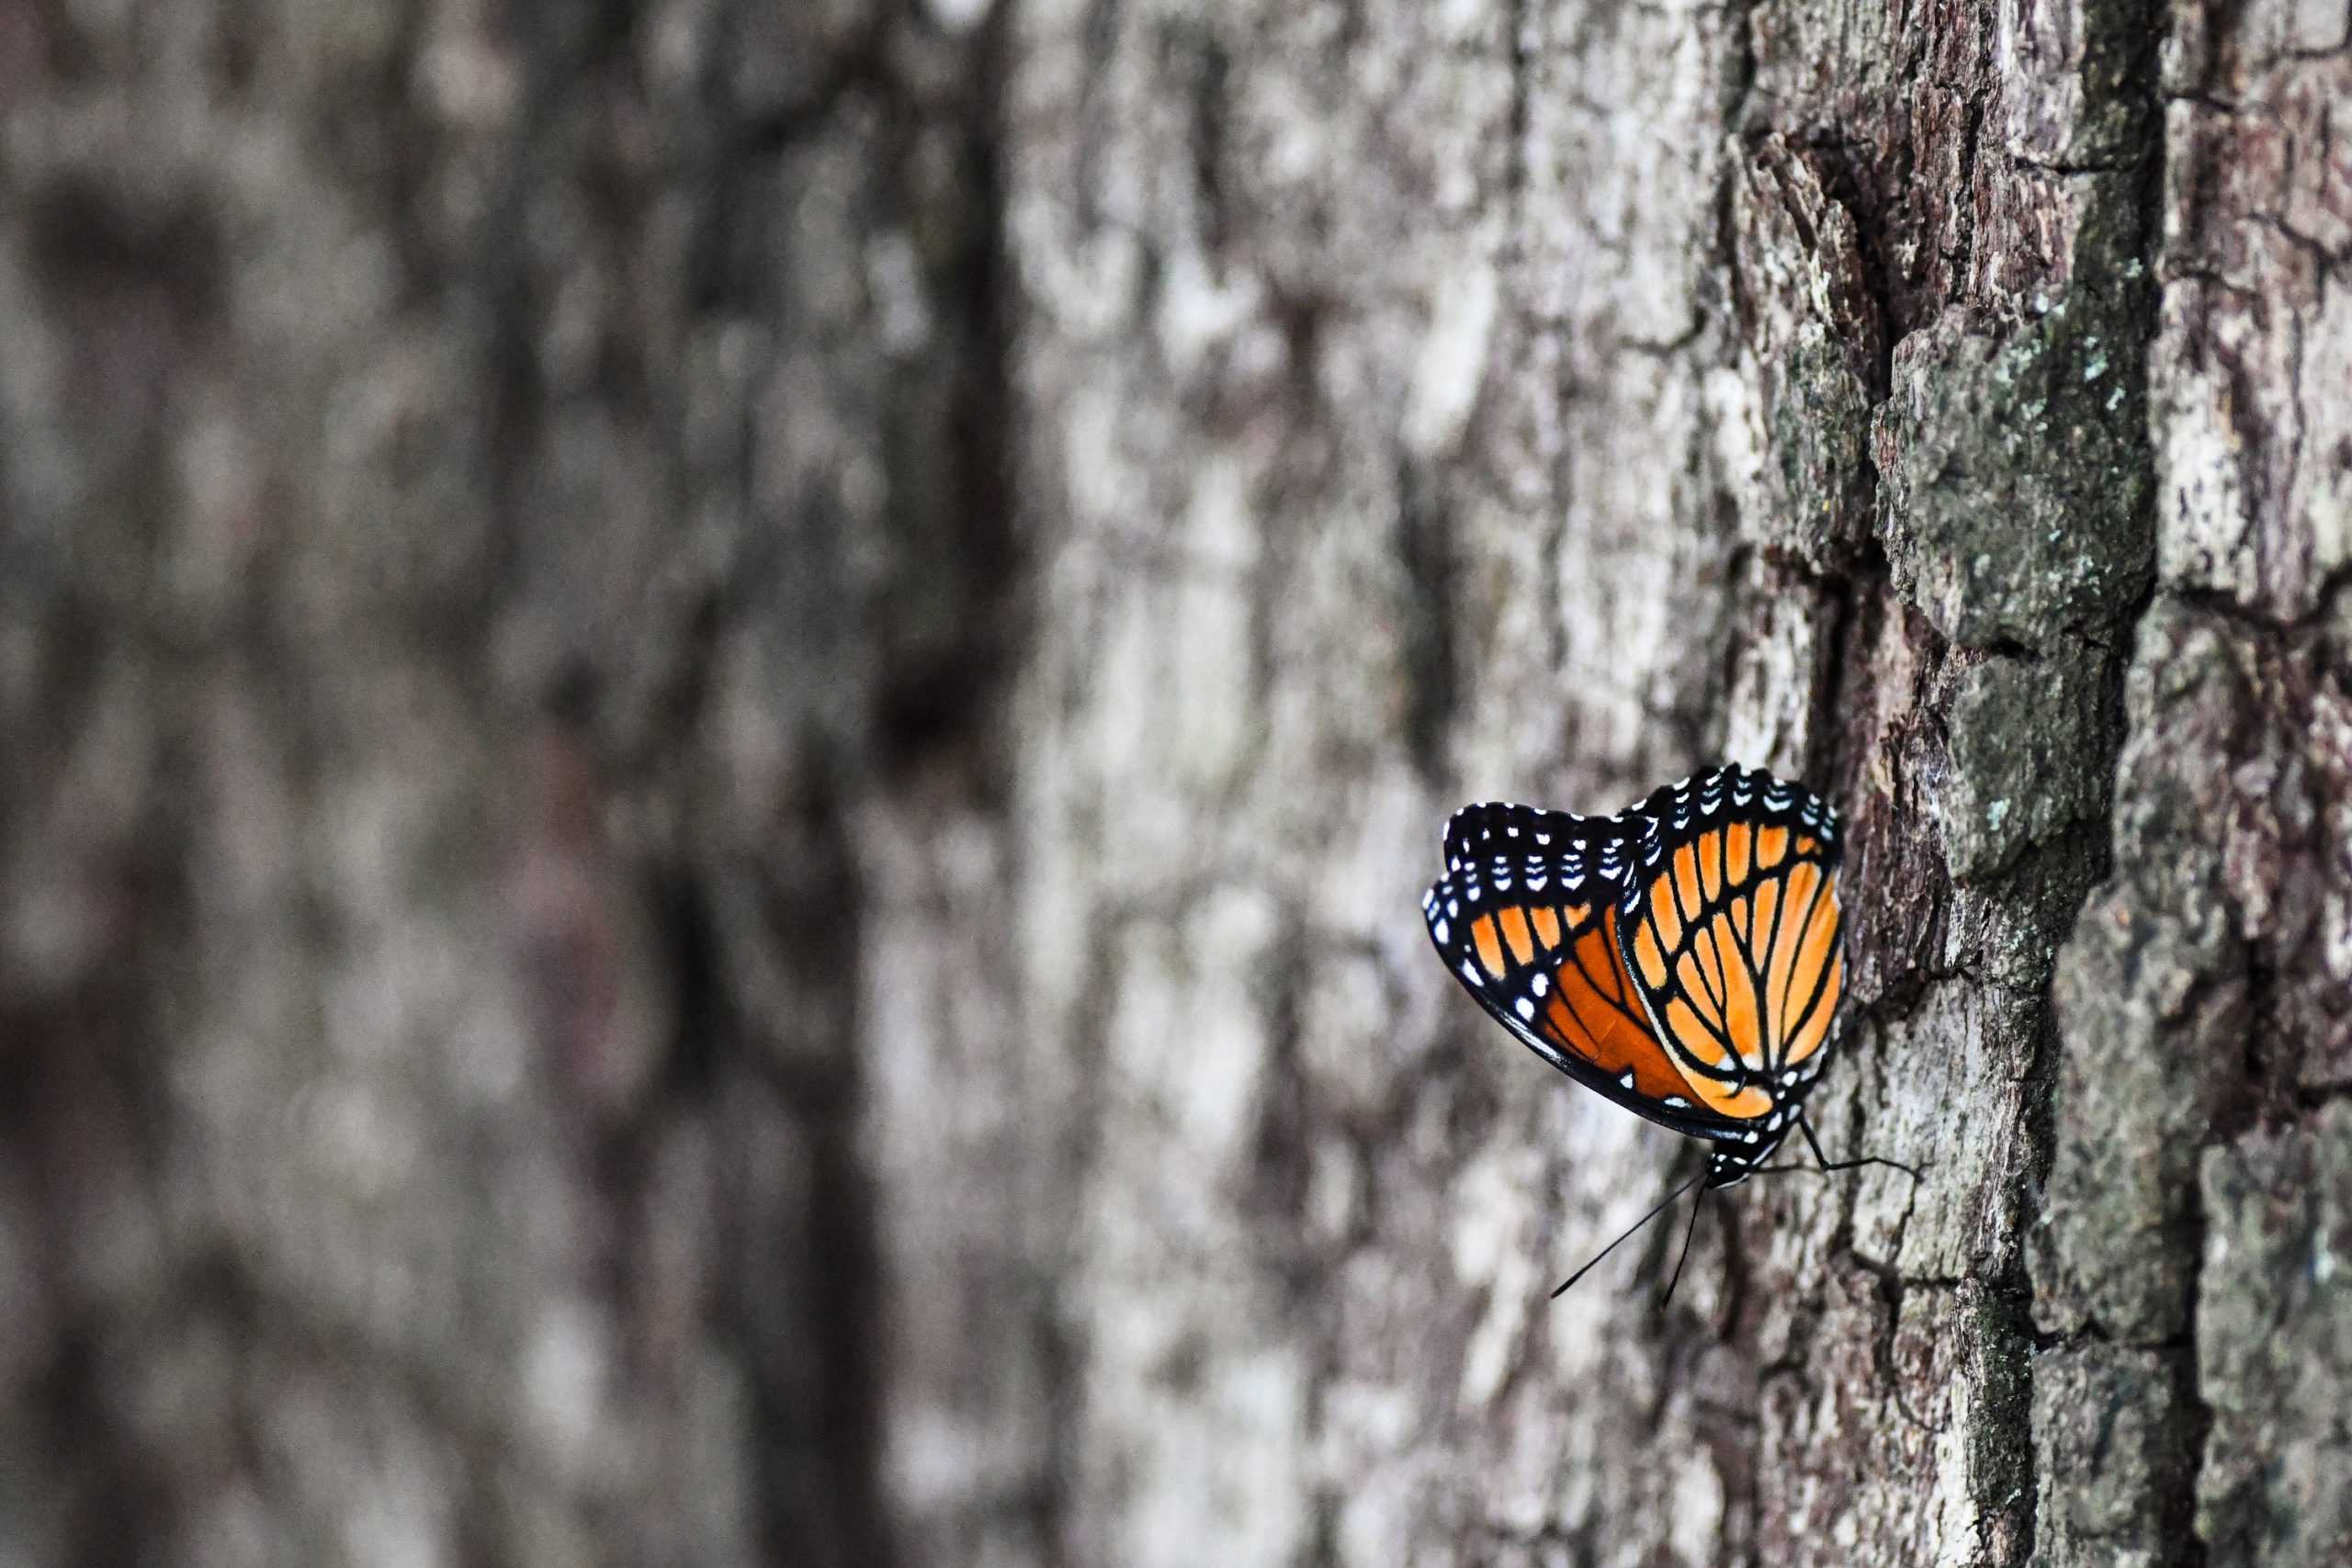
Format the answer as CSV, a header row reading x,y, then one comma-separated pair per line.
x,y
719,719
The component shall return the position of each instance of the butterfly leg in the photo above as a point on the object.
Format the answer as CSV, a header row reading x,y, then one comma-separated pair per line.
x,y
1829,1165
1688,1231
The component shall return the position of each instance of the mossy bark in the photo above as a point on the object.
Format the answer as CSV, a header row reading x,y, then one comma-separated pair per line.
x,y
723,720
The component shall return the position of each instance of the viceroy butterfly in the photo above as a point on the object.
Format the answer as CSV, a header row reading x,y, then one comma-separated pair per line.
x,y
1683,958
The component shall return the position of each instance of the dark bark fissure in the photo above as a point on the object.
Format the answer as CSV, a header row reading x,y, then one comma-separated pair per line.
x,y
2140,84
1517,25
1212,74
1430,656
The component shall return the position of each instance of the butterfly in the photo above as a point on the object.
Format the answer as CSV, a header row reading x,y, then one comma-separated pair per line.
x,y
1683,958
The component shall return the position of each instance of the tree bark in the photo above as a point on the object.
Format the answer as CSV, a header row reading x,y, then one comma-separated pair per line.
x,y
723,721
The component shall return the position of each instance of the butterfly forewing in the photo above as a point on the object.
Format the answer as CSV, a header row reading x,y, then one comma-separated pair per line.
x,y
1732,933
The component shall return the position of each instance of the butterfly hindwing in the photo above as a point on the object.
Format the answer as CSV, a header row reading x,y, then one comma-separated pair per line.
x,y
1527,918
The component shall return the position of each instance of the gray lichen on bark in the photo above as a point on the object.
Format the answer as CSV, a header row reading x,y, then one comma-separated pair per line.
x,y
2197,998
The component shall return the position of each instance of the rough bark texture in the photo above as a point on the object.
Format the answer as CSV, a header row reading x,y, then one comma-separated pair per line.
x,y
722,719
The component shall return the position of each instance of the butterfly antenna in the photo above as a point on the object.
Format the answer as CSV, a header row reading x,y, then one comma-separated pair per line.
x,y
1637,1224
1829,1165
1688,1231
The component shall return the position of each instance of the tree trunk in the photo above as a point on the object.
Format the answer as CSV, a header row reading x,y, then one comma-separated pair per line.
x,y
723,721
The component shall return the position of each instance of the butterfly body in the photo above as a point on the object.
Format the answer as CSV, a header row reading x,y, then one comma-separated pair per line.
x,y
1683,958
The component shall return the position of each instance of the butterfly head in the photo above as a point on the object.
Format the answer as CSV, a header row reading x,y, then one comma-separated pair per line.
x,y
1730,1166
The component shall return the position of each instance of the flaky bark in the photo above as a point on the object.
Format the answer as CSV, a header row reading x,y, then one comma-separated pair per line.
x,y
723,719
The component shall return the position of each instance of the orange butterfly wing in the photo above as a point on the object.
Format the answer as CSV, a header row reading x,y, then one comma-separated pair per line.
x,y
1734,937
1527,918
